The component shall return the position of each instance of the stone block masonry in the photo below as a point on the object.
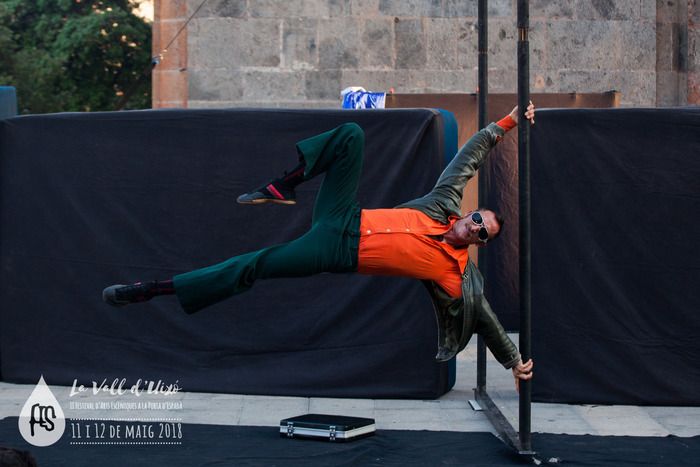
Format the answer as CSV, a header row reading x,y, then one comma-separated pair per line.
x,y
301,53
170,80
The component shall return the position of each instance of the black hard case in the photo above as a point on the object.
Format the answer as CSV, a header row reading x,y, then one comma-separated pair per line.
x,y
335,428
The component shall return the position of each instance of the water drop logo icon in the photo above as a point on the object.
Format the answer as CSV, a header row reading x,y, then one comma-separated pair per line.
x,y
41,421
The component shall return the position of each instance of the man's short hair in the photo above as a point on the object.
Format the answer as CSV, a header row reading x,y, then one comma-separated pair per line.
x,y
499,219
501,222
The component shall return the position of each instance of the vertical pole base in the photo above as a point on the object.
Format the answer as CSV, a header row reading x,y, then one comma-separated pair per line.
x,y
505,430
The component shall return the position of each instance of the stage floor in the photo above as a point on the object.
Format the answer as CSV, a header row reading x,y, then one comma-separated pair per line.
x,y
449,413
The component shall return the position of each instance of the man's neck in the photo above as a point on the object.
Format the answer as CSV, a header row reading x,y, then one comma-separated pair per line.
x,y
452,239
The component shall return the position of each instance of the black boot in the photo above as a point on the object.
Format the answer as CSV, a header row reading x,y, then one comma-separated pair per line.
x,y
120,295
279,190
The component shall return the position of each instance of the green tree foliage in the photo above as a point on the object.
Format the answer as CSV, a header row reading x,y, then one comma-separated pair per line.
x,y
74,55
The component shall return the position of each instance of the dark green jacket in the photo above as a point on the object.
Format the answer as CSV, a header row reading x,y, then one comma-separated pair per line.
x,y
459,318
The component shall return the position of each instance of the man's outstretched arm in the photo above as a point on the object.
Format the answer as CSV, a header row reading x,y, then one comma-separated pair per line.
x,y
446,195
500,345
472,155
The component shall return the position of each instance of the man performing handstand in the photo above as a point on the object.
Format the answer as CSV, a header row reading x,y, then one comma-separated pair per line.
x,y
426,238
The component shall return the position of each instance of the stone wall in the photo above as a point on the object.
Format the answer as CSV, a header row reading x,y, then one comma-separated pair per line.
x,y
170,76
692,52
301,53
672,52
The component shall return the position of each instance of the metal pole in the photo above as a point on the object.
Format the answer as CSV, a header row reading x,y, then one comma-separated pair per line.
x,y
483,44
483,98
524,205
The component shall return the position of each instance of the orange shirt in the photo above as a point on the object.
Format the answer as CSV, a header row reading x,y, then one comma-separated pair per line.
x,y
396,242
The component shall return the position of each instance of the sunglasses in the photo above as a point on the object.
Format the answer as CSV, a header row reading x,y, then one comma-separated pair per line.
x,y
478,220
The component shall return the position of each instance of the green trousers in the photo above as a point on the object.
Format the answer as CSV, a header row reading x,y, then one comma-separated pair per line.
x,y
330,245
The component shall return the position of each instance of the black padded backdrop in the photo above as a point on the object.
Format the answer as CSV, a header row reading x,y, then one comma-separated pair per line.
x,y
615,266
499,262
88,200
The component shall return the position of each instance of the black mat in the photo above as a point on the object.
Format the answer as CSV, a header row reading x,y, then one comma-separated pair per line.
x,y
215,445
